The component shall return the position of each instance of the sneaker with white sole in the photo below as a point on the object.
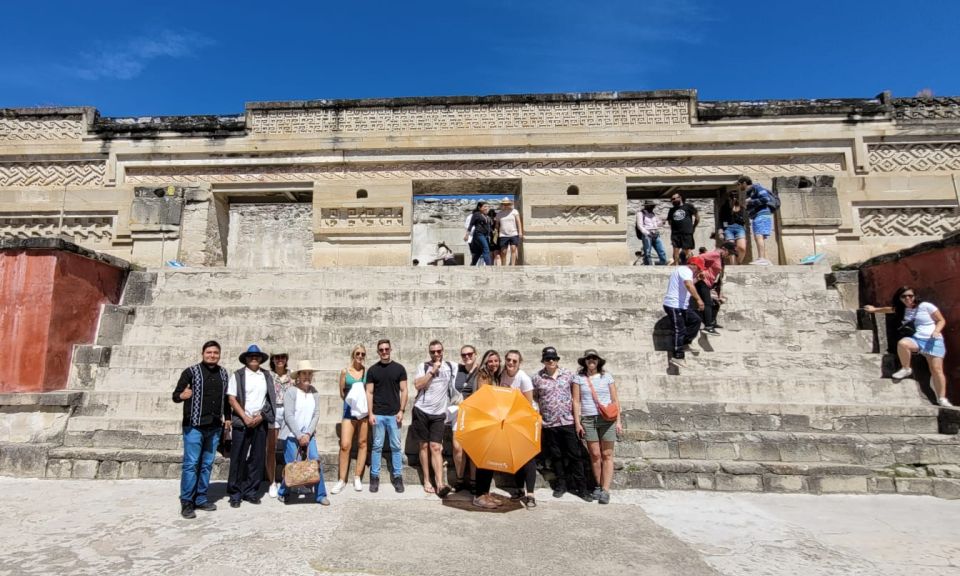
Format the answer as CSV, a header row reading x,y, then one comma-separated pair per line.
x,y
944,402
338,487
902,373
357,484
273,491
679,362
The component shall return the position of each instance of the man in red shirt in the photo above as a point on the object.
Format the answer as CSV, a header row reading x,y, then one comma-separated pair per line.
x,y
712,273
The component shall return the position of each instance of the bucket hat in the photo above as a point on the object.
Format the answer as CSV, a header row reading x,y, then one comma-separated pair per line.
x,y
582,361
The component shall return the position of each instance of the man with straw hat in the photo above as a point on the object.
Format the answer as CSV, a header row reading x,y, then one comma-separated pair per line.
x,y
511,232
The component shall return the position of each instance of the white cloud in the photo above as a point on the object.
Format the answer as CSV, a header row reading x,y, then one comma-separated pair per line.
x,y
127,59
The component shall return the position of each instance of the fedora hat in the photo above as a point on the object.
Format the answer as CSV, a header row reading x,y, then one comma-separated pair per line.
x,y
303,366
506,200
253,350
591,353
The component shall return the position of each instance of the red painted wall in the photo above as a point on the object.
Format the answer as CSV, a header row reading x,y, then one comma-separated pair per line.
x,y
935,275
49,301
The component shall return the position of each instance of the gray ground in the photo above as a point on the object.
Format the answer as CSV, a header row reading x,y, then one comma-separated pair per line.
x,y
134,527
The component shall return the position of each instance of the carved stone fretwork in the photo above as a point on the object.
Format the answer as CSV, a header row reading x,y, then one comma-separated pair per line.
x,y
85,229
474,117
573,215
909,221
912,109
921,157
345,218
46,128
80,173
685,166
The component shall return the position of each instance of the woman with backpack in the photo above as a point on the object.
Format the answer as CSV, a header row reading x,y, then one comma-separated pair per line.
x,y
761,203
921,331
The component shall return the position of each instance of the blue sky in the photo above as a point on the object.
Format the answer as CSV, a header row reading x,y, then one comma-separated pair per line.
x,y
206,57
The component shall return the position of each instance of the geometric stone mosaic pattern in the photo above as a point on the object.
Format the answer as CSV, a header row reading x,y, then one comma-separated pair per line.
x,y
473,117
685,166
573,215
53,173
909,221
361,217
923,157
945,108
85,229
50,128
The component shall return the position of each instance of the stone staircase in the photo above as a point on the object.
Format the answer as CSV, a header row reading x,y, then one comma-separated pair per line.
x,y
789,398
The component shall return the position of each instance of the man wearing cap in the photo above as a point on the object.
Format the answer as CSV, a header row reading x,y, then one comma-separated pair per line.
x,y
252,398
202,390
648,228
552,391
685,322
511,232
712,272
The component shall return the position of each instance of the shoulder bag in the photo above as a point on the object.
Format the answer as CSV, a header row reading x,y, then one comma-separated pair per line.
x,y
609,412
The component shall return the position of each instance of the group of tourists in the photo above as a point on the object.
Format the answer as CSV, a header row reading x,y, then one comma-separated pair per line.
x,y
683,219
257,407
494,237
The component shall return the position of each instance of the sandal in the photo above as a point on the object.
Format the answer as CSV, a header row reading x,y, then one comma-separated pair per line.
x,y
444,491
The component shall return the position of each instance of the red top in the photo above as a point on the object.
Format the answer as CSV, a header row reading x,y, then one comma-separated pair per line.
x,y
713,265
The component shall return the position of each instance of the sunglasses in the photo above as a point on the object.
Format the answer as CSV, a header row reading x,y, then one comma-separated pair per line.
x,y
361,354
512,361
436,351
382,350
467,354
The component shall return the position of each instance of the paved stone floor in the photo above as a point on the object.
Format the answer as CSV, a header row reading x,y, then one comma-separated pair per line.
x,y
134,527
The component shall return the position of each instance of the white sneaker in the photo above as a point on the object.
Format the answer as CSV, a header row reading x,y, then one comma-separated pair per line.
x,y
273,491
902,373
944,402
357,484
678,362
339,486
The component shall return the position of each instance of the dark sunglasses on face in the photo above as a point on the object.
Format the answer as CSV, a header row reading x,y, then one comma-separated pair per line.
x,y
383,350
361,354
467,354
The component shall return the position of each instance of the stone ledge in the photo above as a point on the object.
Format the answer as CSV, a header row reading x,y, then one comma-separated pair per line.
x,y
64,398
63,246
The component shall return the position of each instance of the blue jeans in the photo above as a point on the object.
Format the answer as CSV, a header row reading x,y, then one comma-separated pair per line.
x,y
483,243
657,244
291,451
199,452
387,424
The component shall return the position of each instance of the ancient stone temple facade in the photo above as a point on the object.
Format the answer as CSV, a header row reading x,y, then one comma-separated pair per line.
x,y
379,182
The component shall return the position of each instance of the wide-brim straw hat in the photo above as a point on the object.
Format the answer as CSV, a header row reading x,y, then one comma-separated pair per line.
x,y
303,366
254,350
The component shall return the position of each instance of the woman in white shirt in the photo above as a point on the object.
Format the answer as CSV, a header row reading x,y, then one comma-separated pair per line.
x,y
513,377
927,339
301,412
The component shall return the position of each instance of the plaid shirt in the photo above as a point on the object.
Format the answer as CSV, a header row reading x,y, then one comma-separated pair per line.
x,y
553,396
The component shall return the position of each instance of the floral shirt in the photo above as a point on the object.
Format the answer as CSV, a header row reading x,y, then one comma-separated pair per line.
x,y
281,383
553,396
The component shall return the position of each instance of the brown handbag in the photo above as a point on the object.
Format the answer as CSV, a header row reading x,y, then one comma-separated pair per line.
x,y
302,472
609,412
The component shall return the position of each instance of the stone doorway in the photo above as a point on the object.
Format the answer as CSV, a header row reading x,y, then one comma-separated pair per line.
x,y
269,229
708,197
440,210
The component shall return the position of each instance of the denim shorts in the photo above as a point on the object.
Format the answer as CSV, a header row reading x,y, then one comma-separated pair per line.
x,y
930,346
763,224
734,232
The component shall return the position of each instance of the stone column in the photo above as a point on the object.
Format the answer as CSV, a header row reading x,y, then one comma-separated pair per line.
x,y
362,223
809,217
575,222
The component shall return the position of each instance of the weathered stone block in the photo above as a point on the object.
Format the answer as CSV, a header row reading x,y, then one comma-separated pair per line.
x,y
59,468
882,485
706,482
946,488
721,451
917,454
884,424
915,486
680,481
876,454
656,449
775,483
742,468
760,451
24,460
129,470
86,469
795,422
843,453
692,449
736,483
152,470
857,424
109,470
838,484
800,451
944,470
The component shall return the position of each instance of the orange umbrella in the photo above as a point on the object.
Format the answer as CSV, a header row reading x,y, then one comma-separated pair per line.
x,y
498,428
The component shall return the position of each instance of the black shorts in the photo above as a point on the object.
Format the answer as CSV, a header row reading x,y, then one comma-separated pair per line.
x,y
679,240
427,427
505,241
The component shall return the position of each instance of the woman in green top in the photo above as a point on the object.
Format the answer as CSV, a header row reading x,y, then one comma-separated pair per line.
x,y
355,373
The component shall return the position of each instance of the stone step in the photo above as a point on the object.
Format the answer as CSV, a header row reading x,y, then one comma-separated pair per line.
x,y
942,481
642,296
783,278
785,417
444,315
767,446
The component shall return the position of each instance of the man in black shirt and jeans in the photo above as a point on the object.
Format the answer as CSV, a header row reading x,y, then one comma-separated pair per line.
x,y
387,398
683,219
202,388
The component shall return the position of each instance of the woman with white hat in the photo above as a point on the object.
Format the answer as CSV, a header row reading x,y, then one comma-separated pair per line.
x,y
301,412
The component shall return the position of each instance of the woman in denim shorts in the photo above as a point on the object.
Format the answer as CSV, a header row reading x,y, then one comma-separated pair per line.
x,y
927,323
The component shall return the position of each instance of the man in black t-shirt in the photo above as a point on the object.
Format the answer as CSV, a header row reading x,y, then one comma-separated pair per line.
x,y
683,219
387,398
